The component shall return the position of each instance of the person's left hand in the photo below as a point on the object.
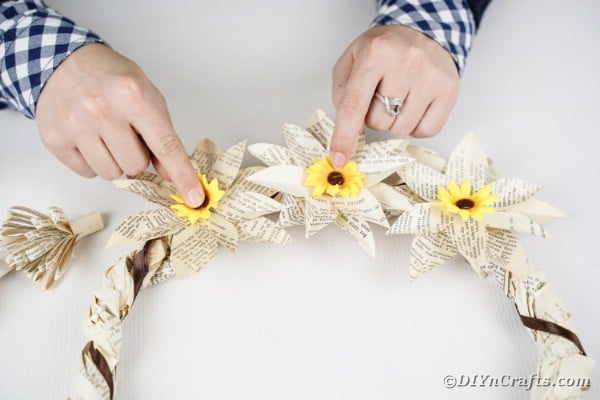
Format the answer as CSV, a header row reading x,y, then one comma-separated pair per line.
x,y
395,61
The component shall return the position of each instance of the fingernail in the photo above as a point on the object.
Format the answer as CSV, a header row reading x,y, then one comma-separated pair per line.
x,y
195,197
337,159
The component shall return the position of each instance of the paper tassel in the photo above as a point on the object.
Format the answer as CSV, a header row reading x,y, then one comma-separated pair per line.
x,y
42,245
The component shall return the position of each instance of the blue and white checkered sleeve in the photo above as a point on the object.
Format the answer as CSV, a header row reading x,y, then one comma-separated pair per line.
x,y
34,40
449,22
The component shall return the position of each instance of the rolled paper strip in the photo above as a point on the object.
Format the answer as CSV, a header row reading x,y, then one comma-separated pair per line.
x,y
42,245
123,283
87,225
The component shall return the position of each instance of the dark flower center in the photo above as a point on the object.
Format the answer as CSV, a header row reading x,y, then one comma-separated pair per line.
x,y
465,204
204,203
335,178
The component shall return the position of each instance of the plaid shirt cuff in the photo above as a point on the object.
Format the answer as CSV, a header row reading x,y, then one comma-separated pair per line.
x,y
34,40
449,22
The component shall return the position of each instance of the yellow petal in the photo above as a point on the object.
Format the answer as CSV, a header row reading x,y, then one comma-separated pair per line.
x,y
318,191
465,189
464,214
177,198
332,190
443,195
454,190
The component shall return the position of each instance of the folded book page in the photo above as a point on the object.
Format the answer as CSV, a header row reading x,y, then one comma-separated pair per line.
x,y
460,207
287,173
465,209
42,245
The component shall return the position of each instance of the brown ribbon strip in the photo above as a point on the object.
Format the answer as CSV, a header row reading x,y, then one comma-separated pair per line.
x,y
103,367
140,268
550,327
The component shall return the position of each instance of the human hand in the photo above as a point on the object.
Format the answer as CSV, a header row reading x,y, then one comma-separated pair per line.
x,y
395,61
100,115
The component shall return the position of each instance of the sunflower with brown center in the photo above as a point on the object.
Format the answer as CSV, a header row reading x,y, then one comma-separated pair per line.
x,y
326,179
212,195
459,200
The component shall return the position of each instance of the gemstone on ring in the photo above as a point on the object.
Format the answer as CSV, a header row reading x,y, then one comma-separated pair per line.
x,y
392,104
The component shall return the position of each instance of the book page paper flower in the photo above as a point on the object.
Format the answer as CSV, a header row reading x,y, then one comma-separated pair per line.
x,y
42,245
462,212
480,221
233,210
315,194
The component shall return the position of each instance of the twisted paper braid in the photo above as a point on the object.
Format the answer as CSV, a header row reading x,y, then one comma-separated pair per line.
x,y
123,282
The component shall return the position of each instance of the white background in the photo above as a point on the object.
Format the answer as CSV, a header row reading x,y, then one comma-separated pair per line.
x,y
315,319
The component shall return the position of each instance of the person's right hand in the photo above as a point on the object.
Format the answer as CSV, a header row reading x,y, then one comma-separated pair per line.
x,y
100,115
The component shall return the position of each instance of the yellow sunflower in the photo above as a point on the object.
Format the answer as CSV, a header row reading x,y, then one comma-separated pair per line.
x,y
344,182
459,200
212,195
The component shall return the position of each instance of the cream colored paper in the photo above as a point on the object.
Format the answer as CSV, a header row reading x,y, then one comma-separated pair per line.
x,y
443,233
103,326
193,246
42,245
492,248
286,174
559,359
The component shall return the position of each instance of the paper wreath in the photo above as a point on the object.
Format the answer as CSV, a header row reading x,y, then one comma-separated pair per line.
x,y
459,207
42,245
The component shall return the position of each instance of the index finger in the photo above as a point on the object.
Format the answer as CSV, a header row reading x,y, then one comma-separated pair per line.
x,y
351,112
154,125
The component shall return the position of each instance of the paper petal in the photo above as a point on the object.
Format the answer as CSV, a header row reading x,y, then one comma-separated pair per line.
x,y
427,252
515,222
320,127
242,184
423,180
468,162
227,164
262,230
421,219
511,191
504,249
146,225
365,206
205,154
470,237
382,155
191,250
389,198
359,231
271,154
223,230
318,215
153,191
541,212
305,149
426,156
283,178
241,206
292,211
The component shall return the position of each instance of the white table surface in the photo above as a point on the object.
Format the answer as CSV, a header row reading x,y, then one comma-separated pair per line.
x,y
316,319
